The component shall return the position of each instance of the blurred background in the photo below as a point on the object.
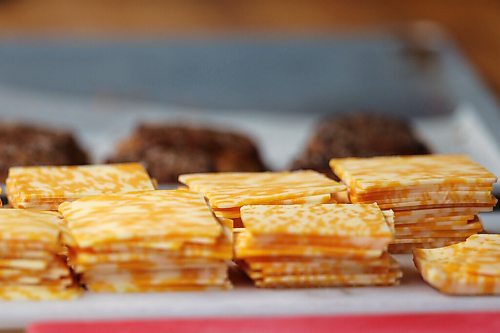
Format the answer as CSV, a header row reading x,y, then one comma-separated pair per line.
x,y
218,85
474,25
187,86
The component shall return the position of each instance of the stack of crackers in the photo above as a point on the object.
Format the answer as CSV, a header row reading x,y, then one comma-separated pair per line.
x,y
147,241
228,192
31,267
46,187
316,245
468,268
435,198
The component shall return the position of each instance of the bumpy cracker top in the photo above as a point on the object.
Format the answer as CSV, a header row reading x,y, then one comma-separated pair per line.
x,y
336,220
399,171
203,181
151,215
31,183
226,190
476,249
19,225
470,267
487,242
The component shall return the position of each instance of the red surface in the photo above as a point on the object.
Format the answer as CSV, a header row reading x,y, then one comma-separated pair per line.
x,y
408,323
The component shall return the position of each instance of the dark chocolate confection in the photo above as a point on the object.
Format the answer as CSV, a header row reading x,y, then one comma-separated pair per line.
x,y
27,145
170,150
358,135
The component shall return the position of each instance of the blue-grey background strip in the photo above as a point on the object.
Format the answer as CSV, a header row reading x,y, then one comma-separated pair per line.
x,y
338,74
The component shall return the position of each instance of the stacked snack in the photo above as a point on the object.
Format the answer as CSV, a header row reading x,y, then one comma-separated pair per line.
x,y
435,198
468,268
147,241
316,245
46,187
30,265
228,192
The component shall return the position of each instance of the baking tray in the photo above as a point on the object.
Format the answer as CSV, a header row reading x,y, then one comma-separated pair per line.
x,y
273,89
411,296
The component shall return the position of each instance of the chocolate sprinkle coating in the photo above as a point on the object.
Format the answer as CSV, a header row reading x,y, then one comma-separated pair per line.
x,y
27,145
357,135
170,150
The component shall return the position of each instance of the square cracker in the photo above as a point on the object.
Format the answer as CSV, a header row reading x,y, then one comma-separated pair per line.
x,y
230,190
18,226
367,174
106,219
71,182
339,220
471,267
476,249
201,182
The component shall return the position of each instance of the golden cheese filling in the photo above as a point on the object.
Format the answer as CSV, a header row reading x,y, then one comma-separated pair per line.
x,y
31,267
233,190
468,268
148,216
425,192
316,245
147,241
333,220
364,174
47,186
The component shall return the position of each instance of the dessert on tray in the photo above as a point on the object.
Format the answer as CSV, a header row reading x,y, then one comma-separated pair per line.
x,y
357,135
46,187
468,268
228,192
435,198
147,241
32,264
169,150
24,145
316,245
